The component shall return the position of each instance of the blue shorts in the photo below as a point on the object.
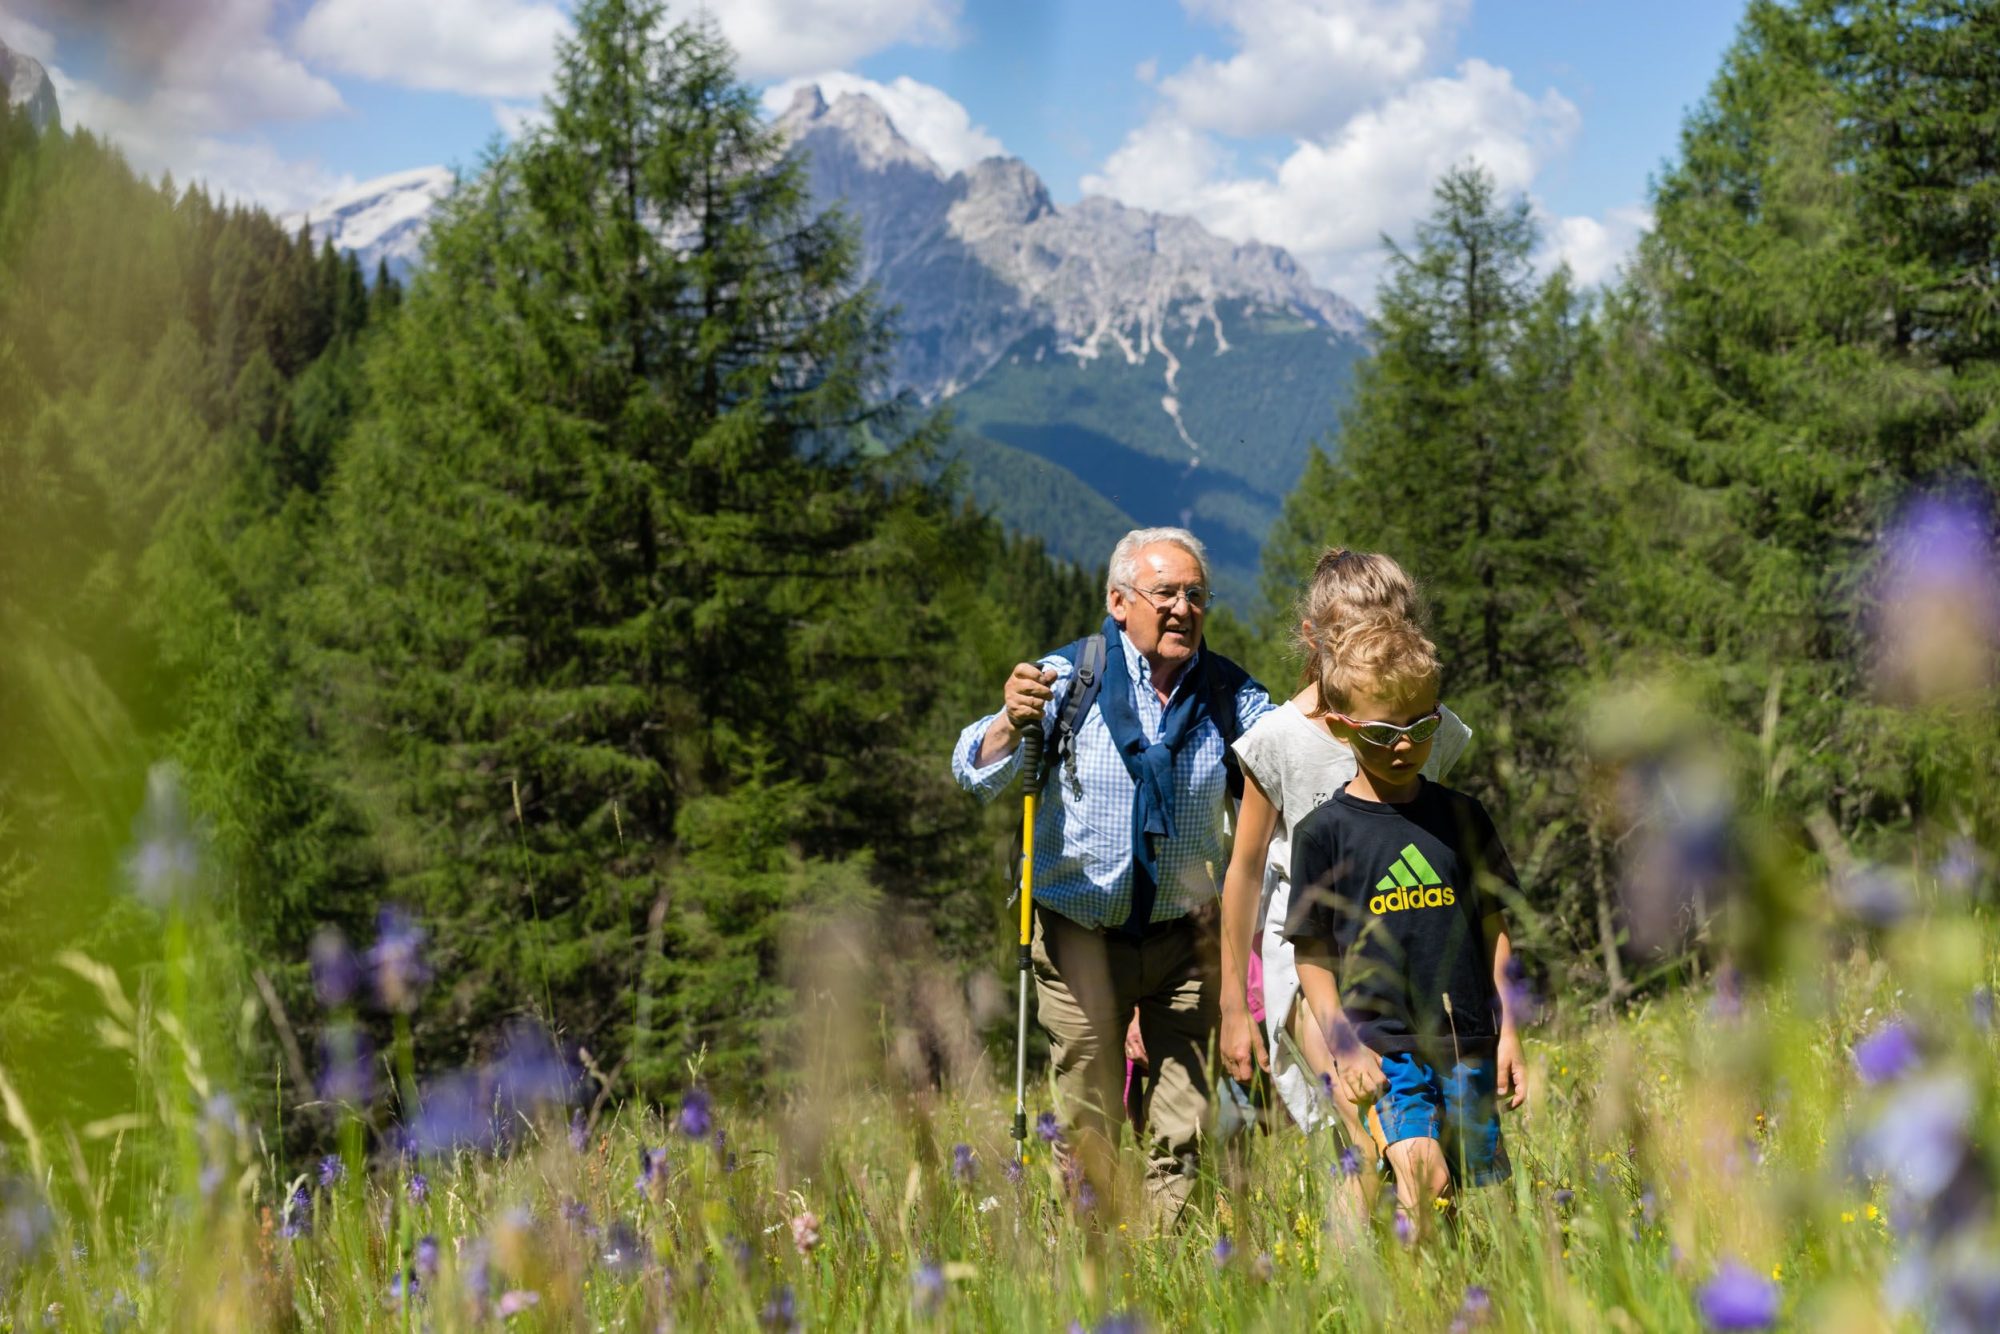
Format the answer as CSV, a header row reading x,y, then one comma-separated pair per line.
x,y
1458,1110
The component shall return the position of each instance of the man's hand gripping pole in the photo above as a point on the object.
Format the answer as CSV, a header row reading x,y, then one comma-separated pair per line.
x,y
1031,790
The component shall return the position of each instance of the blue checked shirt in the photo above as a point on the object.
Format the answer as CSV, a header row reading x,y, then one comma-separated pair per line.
x,y
1083,845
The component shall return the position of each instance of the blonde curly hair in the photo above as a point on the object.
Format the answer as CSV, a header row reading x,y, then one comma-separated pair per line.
x,y
1380,652
1347,584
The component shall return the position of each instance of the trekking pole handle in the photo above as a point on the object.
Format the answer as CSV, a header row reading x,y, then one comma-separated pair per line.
x,y
1031,791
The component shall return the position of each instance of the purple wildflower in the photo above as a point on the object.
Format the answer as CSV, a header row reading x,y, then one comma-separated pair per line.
x,y
1873,895
624,1253
1518,989
25,1222
781,1312
1224,1250
456,1113
1727,1003
336,973
426,1258
165,865
1048,1128
347,1066
1982,1008
1350,1161
579,1131
516,1300
298,1220
964,1166
1938,601
533,1072
1121,1322
927,1288
1010,1167
418,1188
1476,1309
696,1118
1564,1196
332,1171
1086,1197
653,1170
396,961
1406,1230
1963,867
1886,1054
1735,1298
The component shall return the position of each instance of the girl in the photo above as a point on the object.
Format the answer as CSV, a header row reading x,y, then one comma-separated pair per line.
x,y
1291,764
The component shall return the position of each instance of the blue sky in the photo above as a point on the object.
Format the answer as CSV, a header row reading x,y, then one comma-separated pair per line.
x,y
1312,124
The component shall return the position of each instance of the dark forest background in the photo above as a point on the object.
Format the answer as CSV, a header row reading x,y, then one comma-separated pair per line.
x,y
586,599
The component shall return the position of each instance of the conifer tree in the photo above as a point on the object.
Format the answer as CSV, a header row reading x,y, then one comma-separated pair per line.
x,y
1808,340
612,560
1458,455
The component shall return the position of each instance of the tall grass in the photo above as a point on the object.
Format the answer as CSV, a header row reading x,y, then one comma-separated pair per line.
x,y
1727,1131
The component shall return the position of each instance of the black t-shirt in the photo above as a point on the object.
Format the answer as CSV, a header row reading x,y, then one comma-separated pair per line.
x,y
1400,892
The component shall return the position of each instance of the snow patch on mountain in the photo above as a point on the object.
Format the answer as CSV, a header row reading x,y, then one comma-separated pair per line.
x,y
28,85
380,220
975,260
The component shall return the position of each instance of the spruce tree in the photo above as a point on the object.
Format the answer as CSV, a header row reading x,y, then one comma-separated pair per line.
x,y
1458,455
612,560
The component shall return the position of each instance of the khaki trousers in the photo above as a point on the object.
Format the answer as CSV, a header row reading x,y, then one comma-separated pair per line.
x,y
1087,984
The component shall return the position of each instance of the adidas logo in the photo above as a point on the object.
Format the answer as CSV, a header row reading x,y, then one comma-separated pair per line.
x,y
1411,883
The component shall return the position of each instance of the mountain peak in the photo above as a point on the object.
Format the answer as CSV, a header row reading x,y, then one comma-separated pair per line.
x,y
380,220
859,124
1001,192
27,85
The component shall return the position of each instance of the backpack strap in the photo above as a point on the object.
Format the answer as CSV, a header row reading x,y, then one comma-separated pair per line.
x,y
1087,654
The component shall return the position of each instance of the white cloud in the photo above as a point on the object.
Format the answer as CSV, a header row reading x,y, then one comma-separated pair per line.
x,y
185,86
20,35
193,66
779,39
242,170
1330,200
1595,249
482,48
1303,64
517,118
928,117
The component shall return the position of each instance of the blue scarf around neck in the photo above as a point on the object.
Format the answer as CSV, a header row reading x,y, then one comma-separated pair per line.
x,y
1151,764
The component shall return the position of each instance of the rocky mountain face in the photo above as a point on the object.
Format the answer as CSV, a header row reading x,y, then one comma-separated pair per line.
x,y
27,85
1106,367
978,259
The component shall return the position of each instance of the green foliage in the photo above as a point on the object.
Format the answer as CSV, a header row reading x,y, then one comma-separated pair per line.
x,y
1458,455
636,616
1808,339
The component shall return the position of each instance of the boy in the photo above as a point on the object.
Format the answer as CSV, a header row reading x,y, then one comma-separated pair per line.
x,y
1392,890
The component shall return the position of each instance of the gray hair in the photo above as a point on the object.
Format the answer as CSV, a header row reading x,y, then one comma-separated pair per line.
x,y
1125,556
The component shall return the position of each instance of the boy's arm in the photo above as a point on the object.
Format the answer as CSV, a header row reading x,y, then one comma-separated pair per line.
x,y
1242,885
1509,1068
1357,1071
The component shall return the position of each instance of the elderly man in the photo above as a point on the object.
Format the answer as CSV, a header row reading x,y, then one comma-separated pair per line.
x,y
1128,842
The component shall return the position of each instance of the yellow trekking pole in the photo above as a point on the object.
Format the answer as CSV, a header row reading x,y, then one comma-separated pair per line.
x,y
1031,791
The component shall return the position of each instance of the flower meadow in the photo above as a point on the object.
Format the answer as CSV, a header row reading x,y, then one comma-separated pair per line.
x,y
1806,1148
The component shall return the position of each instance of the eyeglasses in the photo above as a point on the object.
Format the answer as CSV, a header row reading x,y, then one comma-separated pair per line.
x,y
1165,599
1387,735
